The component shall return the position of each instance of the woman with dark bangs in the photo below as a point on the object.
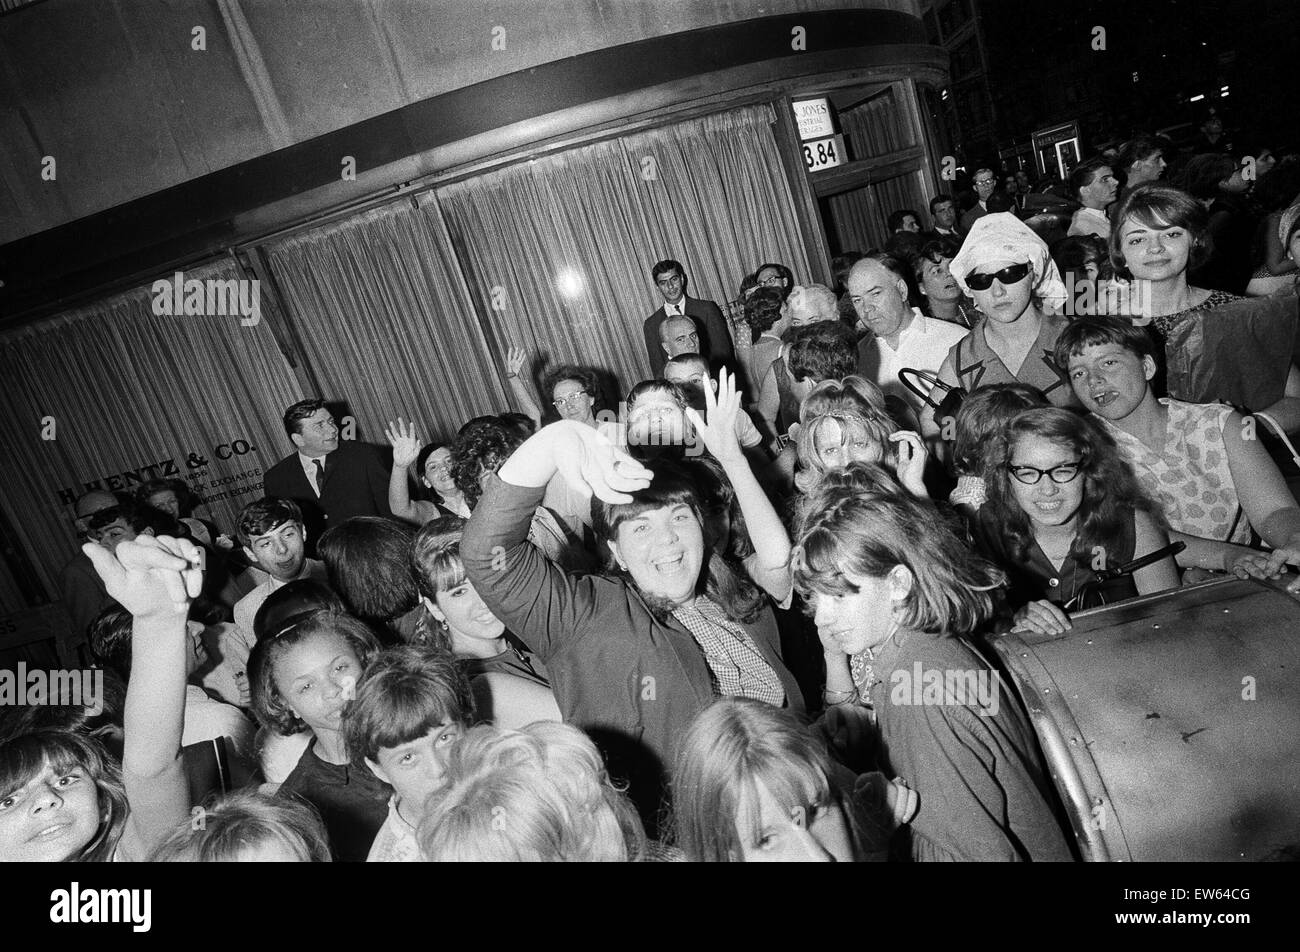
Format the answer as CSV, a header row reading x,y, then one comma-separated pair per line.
x,y
1218,346
895,596
1065,505
635,653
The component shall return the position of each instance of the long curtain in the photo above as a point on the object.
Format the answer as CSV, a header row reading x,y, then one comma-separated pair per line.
x,y
557,251
113,394
385,321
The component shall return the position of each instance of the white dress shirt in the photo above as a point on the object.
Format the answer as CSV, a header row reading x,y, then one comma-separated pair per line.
x,y
1089,221
309,467
922,345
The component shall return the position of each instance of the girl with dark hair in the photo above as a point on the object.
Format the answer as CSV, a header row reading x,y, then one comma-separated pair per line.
x,y
1242,350
433,471
1062,506
62,796
301,680
895,596
635,653
511,687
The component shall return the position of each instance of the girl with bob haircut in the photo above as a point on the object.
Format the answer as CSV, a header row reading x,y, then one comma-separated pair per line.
x,y
62,797
844,421
895,592
412,704
753,784
80,779
1213,481
537,795
301,680
1161,234
1063,505
511,685
248,827
670,619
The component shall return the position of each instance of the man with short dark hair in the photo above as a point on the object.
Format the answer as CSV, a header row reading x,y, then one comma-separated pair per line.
x,y
1093,185
1141,160
714,337
330,479
274,538
943,217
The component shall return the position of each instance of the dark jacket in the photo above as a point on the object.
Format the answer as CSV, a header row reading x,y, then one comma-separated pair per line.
x,y
633,683
715,339
983,790
356,484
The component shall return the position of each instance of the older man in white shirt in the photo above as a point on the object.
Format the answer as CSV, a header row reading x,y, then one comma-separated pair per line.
x,y
901,335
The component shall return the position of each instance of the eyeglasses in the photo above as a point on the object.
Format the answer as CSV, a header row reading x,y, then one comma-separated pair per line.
x,y
987,183
571,400
1031,475
1008,276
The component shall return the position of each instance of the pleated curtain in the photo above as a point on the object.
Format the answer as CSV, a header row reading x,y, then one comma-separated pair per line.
x,y
124,388
557,252
385,320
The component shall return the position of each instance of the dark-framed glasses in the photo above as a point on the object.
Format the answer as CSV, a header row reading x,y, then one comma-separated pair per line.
x,y
978,281
1030,475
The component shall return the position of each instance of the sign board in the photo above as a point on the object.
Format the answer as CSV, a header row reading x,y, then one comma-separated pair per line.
x,y
823,154
814,118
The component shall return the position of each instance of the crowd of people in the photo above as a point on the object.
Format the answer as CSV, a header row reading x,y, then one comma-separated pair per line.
x,y
678,632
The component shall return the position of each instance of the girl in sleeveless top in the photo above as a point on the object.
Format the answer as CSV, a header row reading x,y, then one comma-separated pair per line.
x,y
1005,267
1062,506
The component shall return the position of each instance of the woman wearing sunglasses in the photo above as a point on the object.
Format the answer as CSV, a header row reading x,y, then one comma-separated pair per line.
x,y
1062,507
1009,272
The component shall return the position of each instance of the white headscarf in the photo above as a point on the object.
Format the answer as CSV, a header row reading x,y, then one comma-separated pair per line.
x,y
1001,236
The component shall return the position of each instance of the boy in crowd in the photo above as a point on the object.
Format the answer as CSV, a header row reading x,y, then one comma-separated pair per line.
x,y
412,704
272,533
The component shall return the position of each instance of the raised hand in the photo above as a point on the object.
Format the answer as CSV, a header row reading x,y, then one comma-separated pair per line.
x,y
719,433
150,577
912,457
406,445
515,359
592,464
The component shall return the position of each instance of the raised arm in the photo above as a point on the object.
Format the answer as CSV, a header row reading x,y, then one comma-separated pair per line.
x,y
769,406
770,567
516,360
155,580
537,600
406,447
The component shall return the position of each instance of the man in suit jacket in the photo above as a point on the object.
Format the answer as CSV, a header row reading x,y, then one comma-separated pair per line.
x,y
329,480
985,183
943,213
715,338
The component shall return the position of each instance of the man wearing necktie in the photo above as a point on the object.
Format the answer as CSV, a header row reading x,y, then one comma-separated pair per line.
x,y
715,338
330,479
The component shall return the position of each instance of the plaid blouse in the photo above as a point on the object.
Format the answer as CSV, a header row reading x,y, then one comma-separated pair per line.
x,y
736,667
